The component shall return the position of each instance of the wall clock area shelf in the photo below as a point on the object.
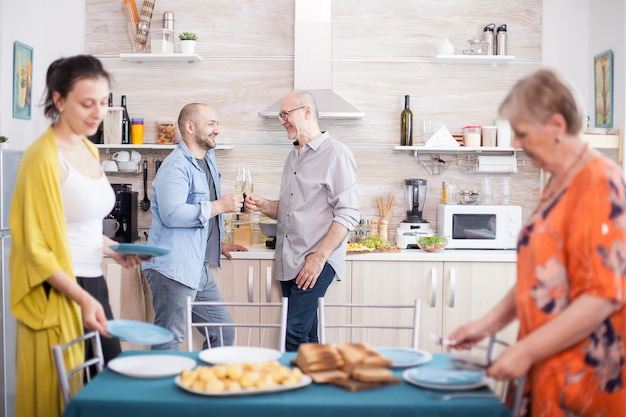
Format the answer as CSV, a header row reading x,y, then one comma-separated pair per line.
x,y
140,58
150,146
493,60
437,160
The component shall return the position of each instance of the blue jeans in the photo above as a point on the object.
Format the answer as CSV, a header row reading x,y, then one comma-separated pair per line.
x,y
170,306
302,311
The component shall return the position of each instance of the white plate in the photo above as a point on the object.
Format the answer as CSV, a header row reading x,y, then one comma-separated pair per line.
x,y
238,354
151,366
306,380
403,357
445,379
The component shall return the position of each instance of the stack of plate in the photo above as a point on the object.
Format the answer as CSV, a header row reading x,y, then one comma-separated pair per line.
x,y
445,378
128,166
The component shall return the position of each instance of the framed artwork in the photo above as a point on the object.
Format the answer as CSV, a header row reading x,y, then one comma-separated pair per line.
x,y
22,77
603,83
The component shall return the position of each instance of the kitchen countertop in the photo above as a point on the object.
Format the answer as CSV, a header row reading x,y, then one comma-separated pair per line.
x,y
408,255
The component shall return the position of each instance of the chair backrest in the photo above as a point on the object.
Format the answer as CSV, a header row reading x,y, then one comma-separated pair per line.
x,y
71,380
380,325
269,331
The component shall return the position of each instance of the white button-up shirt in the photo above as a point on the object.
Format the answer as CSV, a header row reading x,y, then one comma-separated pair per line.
x,y
318,187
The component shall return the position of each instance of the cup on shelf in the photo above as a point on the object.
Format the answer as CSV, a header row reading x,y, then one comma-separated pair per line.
x,y
121,156
109,166
135,156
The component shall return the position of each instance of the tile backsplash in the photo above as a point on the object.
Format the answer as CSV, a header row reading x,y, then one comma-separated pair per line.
x,y
380,52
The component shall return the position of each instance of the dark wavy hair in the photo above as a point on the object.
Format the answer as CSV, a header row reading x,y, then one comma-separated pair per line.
x,y
63,74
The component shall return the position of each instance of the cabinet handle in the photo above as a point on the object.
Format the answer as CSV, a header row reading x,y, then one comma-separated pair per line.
x,y
452,287
268,284
433,287
250,283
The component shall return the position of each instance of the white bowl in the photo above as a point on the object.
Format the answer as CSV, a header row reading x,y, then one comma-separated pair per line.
x,y
127,166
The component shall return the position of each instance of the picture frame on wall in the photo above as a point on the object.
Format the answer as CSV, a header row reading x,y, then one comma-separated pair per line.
x,y
22,80
603,85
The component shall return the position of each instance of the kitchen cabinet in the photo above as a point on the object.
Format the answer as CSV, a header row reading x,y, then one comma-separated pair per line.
x,y
252,280
389,282
249,280
470,289
452,293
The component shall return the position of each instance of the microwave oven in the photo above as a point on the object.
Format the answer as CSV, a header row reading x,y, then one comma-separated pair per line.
x,y
479,226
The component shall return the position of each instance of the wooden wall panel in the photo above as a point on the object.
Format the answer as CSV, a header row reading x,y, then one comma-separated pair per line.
x,y
381,50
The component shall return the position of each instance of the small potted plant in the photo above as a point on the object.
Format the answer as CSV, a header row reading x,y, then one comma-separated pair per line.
x,y
188,42
4,142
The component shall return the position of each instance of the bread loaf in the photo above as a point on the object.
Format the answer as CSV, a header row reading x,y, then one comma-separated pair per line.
x,y
324,377
360,354
314,357
367,374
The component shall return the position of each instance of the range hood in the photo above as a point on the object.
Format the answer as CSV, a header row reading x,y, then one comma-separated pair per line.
x,y
312,62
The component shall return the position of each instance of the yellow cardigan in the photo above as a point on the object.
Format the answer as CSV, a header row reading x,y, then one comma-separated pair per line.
x,y
39,249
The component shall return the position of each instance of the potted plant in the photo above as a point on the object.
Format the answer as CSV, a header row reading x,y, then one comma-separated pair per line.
x,y
188,42
4,142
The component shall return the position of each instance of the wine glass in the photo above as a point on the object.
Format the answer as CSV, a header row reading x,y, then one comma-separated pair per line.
x,y
248,185
239,182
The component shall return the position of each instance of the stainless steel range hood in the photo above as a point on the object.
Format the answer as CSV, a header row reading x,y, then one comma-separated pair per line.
x,y
312,62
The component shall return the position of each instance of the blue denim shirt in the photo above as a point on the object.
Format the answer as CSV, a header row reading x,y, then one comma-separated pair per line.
x,y
181,209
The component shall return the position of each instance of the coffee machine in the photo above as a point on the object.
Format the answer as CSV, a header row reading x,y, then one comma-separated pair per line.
x,y
414,225
125,212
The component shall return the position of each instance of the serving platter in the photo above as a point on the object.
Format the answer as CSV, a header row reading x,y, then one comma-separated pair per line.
x,y
304,381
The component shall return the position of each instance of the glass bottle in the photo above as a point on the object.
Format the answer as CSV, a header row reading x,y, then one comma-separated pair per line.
x,y
126,135
406,124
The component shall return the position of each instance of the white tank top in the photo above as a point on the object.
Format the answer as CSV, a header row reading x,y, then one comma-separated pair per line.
x,y
86,201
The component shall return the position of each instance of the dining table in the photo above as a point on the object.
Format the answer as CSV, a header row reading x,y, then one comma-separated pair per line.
x,y
114,394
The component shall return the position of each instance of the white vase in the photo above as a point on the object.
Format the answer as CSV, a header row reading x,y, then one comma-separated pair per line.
x,y
188,46
4,145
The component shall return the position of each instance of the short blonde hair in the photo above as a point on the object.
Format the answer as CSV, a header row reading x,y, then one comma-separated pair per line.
x,y
535,98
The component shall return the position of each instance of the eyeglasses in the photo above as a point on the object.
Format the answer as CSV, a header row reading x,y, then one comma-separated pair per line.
x,y
213,123
285,114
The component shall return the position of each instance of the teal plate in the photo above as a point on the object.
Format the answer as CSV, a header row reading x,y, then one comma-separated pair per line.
x,y
139,332
143,251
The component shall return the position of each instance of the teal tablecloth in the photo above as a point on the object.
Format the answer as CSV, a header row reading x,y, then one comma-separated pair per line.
x,y
112,394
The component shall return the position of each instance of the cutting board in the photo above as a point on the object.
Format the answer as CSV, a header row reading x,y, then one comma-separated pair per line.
x,y
353,385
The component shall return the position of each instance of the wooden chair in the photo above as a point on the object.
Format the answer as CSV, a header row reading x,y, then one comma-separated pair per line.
x,y
380,325
71,380
273,322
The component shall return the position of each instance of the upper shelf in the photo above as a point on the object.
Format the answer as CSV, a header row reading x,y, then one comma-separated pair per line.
x,y
455,150
493,60
149,57
151,146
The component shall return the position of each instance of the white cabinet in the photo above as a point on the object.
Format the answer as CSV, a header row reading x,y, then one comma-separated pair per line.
x,y
249,280
452,293
389,282
470,289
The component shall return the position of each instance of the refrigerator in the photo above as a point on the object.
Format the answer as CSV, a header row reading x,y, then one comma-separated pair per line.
x,y
9,160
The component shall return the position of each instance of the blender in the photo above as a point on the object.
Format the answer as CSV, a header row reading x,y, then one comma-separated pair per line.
x,y
414,225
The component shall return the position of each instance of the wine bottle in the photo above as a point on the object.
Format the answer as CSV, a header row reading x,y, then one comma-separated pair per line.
x,y
406,124
125,123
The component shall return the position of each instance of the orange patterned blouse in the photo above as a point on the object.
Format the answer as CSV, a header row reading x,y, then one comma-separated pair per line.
x,y
574,244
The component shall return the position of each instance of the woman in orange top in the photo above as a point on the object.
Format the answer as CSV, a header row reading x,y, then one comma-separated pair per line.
x,y
571,265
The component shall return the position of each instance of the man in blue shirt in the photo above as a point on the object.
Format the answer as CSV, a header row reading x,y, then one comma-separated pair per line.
x,y
187,208
318,206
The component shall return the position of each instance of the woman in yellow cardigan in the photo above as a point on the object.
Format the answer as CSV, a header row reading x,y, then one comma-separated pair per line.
x,y
47,211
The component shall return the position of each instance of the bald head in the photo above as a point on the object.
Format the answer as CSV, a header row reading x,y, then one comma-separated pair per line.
x,y
191,112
